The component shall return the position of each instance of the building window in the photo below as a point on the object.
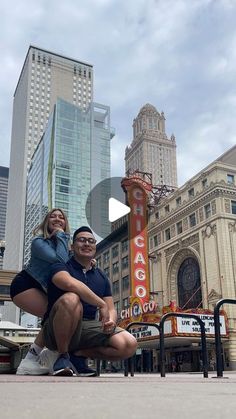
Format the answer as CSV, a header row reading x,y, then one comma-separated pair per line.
x,y
125,283
157,215
106,257
155,240
178,201
107,271
116,287
207,210
233,207
99,262
5,289
125,302
117,306
115,251
230,178
125,262
192,220
204,183
124,246
191,192
167,209
189,284
179,227
115,267
167,234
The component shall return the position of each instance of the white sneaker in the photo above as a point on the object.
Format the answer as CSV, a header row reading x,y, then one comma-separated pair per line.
x,y
31,367
47,359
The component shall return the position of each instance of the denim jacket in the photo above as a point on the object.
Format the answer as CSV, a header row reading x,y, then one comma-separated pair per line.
x,y
44,252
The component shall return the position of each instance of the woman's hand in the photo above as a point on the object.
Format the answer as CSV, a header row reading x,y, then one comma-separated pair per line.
x,y
54,232
93,263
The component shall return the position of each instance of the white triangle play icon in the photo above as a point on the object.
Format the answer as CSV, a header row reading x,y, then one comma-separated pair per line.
x,y
117,209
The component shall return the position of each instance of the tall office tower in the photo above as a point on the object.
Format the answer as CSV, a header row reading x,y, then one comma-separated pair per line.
x,y
72,157
45,76
4,171
151,150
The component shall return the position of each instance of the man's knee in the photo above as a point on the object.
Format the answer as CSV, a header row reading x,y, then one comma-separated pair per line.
x,y
131,344
125,343
69,302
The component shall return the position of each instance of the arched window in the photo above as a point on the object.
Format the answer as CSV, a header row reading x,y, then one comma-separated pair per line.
x,y
189,284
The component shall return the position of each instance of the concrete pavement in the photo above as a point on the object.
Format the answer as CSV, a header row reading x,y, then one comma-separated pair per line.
x,y
177,396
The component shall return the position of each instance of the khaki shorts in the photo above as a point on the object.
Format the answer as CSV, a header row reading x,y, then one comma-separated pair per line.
x,y
89,334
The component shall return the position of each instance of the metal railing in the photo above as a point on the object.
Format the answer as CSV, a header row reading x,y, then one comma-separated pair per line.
x,y
218,345
203,340
130,361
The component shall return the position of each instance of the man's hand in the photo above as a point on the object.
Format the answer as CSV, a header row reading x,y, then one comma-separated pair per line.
x,y
109,326
104,314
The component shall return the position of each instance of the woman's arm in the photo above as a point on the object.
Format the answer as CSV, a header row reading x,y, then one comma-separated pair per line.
x,y
41,249
62,245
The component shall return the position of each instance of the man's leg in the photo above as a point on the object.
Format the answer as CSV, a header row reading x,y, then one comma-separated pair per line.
x,y
63,329
67,313
121,346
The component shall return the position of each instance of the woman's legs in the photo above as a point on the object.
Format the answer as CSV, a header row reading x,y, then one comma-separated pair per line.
x,y
32,301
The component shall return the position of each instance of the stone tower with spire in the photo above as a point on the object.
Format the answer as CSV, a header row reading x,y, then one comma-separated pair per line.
x,y
151,150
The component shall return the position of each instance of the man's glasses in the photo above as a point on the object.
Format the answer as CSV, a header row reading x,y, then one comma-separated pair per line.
x,y
90,240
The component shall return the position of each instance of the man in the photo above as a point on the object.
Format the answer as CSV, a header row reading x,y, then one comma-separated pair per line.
x,y
74,294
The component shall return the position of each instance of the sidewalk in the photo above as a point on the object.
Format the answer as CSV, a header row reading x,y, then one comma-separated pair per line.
x,y
177,396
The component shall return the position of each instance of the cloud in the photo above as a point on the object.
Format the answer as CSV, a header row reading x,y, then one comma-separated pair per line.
x,y
178,55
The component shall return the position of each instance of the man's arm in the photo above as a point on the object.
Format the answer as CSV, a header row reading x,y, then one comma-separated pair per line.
x,y
109,326
66,282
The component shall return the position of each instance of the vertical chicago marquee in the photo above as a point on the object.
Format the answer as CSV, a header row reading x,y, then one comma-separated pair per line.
x,y
137,190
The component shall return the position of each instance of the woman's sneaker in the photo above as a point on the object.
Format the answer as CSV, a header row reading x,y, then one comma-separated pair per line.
x,y
63,366
81,368
32,367
48,358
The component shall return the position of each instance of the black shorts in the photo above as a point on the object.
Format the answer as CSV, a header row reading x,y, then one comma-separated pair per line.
x,y
23,282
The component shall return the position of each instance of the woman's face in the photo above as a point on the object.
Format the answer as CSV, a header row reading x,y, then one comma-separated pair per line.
x,y
56,221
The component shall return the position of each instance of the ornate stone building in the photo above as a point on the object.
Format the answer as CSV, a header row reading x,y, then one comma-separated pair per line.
x,y
151,150
192,256
192,237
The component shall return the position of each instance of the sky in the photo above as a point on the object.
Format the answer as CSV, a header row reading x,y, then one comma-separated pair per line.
x,y
178,55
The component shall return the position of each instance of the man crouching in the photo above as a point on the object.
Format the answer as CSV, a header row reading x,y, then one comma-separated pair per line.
x,y
75,293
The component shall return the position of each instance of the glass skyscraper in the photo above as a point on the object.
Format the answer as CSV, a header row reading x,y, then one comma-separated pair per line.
x,y
44,77
72,157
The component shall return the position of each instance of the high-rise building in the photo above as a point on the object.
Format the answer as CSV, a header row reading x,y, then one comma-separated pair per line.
x,y
4,171
72,157
151,150
45,76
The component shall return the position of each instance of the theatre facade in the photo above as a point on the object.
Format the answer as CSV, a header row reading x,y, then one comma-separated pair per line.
x,y
191,241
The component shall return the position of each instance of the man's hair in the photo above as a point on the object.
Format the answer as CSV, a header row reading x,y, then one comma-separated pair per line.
x,y
80,230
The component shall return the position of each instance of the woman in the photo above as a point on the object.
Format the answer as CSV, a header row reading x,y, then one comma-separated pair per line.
x,y
29,288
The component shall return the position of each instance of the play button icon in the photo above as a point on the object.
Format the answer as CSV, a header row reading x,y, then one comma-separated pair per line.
x,y
106,203
117,210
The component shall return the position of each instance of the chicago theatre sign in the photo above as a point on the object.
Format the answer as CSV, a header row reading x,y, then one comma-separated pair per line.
x,y
137,191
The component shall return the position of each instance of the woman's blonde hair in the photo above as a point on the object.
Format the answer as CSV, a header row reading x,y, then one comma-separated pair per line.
x,y
43,226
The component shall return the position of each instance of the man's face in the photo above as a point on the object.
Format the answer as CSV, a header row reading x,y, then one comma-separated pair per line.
x,y
84,245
